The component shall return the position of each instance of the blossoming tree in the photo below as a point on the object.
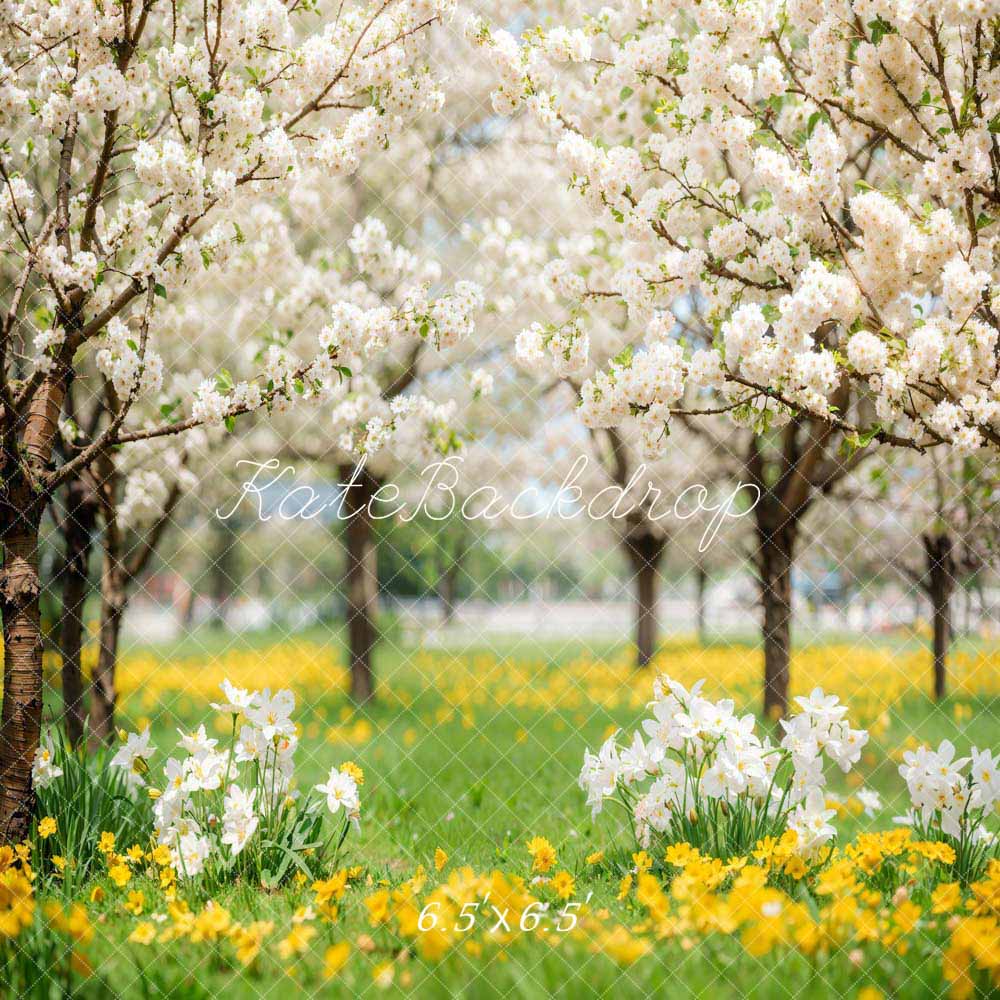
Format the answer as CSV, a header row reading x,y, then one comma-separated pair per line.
x,y
820,180
929,521
137,134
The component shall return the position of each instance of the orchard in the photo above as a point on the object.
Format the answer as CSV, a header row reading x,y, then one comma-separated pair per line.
x,y
500,498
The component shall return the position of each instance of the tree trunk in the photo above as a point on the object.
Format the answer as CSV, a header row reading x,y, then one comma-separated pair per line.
x,y
939,583
224,573
188,604
775,555
701,585
78,530
361,581
21,507
455,556
21,720
446,593
114,599
645,551
103,695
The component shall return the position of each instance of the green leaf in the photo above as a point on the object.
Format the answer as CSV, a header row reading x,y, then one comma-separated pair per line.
x,y
158,289
814,120
624,357
880,29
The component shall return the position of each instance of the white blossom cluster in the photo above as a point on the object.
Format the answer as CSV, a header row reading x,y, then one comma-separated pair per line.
x,y
953,794
819,177
120,361
216,798
224,111
696,753
411,425
352,337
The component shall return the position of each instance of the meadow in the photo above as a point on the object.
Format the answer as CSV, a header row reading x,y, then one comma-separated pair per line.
x,y
470,757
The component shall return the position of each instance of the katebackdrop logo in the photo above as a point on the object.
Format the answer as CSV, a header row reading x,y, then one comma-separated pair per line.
x,y
272,492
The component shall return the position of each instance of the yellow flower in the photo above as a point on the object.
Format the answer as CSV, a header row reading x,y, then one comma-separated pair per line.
x,y
96,894
161,855
946,898
642,861
596,858
563,885
135,853
332,888
59,861
624,886
681,855
354,771
46,827
543,854
107,842
248,940
623,947
211,924
440,859
144,933
297,941
796,867
336,958
136,901
120,875
378,907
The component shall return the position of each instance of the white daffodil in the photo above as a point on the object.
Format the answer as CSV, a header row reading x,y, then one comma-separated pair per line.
x,y
341,792
43,768
132,757
237,699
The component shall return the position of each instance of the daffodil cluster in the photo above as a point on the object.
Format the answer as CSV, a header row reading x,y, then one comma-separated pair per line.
x,y
220,804
953,797
715,781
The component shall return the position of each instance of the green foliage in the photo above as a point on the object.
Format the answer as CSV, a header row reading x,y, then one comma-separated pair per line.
x,y
88,799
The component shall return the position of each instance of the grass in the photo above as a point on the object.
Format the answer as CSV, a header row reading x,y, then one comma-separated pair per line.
x,y
476,765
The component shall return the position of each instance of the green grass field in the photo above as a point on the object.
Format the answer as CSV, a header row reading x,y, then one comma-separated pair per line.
x,y
476,769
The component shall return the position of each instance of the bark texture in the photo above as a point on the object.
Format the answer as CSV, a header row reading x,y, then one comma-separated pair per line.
x,y
361,581
775,557
645,552
78,531
21,719
939,585
22,501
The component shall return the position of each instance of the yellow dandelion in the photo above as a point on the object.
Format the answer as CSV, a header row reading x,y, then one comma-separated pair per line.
x,y
336,958
144,933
